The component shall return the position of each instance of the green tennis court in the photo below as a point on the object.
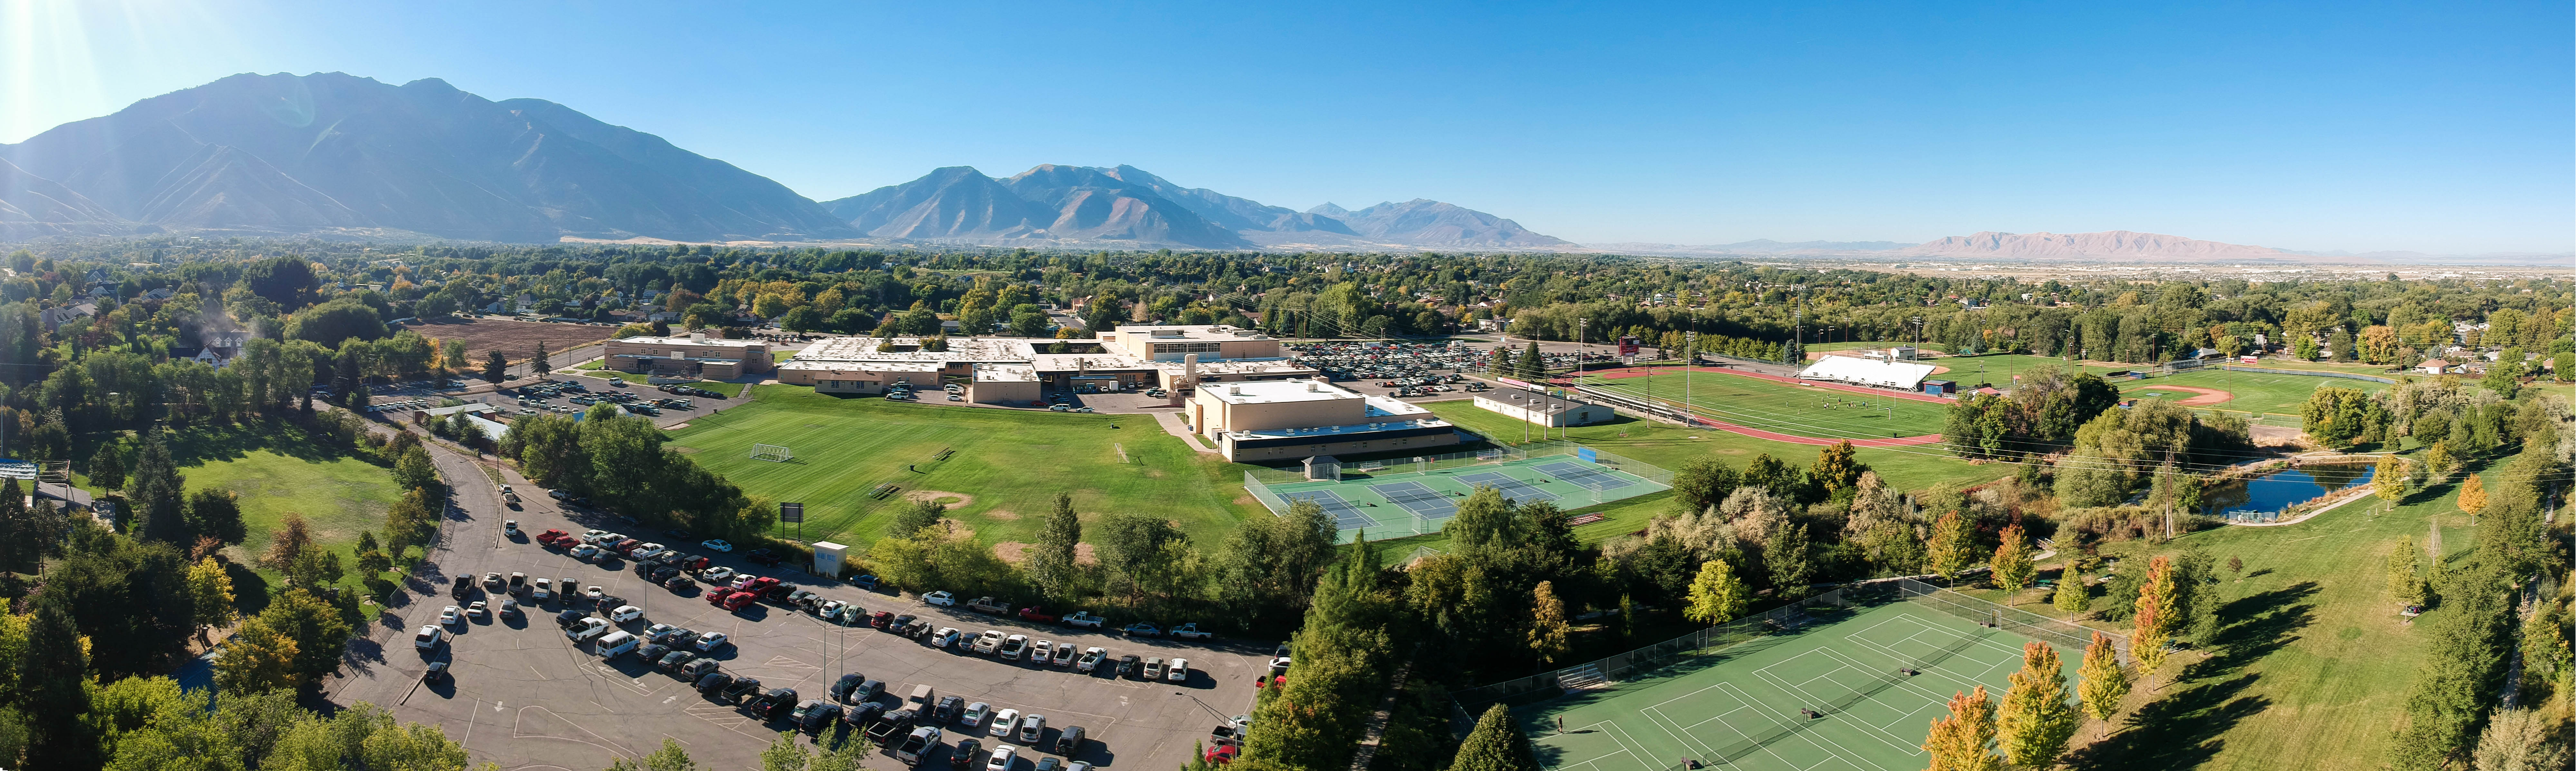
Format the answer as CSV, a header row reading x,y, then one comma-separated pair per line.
x,y
1738,708
1397,497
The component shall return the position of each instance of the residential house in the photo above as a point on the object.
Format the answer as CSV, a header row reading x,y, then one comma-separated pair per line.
x,y
54,318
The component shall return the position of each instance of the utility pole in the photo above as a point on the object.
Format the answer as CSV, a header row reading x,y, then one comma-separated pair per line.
x,y
1798,330
1690,352
1581,338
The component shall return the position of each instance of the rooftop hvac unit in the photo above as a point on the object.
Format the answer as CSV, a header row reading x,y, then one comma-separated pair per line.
x,y
1234,390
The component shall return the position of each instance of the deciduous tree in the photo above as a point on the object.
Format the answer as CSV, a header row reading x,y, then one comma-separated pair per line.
x,y
1716,596
2473,495
2072,598
2012,567
2405,578
2102,683
1964,740
1953,546
1548,631
2035,720
2155,619
212,590
259,657
1051,560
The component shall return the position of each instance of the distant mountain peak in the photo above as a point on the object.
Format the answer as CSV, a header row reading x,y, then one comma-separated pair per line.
x,y
2108,243
1329,210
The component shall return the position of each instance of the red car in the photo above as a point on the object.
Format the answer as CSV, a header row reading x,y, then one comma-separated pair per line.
x,y
626,546
1221,754
716,596
553,538
1036,614
881,619
736,600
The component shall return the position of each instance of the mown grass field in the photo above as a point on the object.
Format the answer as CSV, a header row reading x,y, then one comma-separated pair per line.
x,y
1671,446
277,470
1829,413
1007,467
1865,344
2313,663
2279,396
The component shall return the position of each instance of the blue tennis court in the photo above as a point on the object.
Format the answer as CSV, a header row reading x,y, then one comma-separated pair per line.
x,y
1512,487
1589,476
1344,513
1418,498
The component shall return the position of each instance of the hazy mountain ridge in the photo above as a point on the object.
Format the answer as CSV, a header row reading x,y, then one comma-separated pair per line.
x,y
1128,205
329,151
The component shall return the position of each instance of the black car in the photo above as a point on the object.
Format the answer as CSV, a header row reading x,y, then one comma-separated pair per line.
x,y
681,638
966,752
949,708
437,670
664,573
676,535
568,618
763,557
841,688
681,583
861,714
714,682
817,714
868,689
652,652
1126,664
672,661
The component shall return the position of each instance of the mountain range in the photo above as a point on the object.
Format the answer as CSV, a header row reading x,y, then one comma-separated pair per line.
x,y
1125,204
331,153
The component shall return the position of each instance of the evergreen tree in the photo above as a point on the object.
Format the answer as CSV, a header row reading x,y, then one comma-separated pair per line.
x,y
1716,596
52,673
2521,740
1788,560
2103,683
1051,563
1953,546
1964,740
1317,719
2035,720
107,468
214,512
1496,744
2012,568
1548,630
921,515
496,368
2405,580
2072,598
537,365
154,493
20,546
1533,366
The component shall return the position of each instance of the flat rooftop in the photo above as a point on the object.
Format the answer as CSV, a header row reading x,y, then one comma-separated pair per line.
x,y
689,341
1277,392
1191,332
960,349
1005,373
802,365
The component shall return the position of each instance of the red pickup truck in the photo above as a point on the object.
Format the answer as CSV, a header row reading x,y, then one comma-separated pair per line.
x,y
553,538
1036,614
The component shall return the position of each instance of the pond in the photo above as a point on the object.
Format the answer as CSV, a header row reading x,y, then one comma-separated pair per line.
x,y
2273,492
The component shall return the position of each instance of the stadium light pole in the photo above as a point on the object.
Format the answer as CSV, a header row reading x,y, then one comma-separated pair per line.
x,y
1690,353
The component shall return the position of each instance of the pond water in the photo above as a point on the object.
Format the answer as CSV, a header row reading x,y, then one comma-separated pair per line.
x,y
2278,490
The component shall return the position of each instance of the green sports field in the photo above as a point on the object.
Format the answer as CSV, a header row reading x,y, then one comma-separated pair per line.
x,y
1738,708
277,469
1830,413
2279,397
1002,477
1400,499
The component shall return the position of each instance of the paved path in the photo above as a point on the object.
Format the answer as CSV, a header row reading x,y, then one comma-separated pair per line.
x,y
1172,425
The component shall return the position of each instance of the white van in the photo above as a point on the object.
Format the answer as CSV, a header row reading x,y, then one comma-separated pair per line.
x,y
614,644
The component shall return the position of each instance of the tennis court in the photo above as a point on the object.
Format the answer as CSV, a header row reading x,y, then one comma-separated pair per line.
x,y
1739,707
1407,498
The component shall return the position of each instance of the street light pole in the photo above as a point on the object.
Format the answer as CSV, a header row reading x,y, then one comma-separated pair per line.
x,y
1690,349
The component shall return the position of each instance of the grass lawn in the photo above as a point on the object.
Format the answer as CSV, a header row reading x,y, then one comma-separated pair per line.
x,y
2279,396
1006,471
1830,413
2313,662
1866,344
276,470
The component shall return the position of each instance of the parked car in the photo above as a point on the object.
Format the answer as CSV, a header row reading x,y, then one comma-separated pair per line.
x,y
624,613
1190,631
661,633
829,610
1142,629
1002,722
1036,614
1042,651
1178,672
1090,660
948,708
1031,727
1126,664
988,642
717,575
428,638
1068,741
712,640
812,714
717,545
614,644
946,636
437,671
478,609
968,751
1003,756
763,557
697,668
450,615
585,552
1064,654
975,715
942,599
1154,668
841,688
1013,646
1085,620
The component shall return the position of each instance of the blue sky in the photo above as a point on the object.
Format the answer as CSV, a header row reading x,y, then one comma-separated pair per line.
x,y
2438,127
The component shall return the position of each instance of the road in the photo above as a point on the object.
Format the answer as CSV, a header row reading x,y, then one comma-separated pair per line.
x,y
524,697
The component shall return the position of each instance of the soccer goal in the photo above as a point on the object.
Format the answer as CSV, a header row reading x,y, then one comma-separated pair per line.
x,y
771,452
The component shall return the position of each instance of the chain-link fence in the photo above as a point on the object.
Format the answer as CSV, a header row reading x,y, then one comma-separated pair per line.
x,y
1609,671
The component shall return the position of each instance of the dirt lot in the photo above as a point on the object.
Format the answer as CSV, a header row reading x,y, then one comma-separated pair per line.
x,y
515,339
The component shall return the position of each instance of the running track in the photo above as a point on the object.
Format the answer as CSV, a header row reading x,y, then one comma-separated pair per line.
x,y
1789,438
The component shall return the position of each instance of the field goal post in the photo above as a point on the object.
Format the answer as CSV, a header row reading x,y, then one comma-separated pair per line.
x,y
771,452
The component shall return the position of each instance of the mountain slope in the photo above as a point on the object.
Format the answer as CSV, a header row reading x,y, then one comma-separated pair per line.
x,y
1425,222
36,207
948,203
1094,206
423,157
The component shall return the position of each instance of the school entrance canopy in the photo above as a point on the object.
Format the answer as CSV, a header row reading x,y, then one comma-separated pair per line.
x,y
1903,375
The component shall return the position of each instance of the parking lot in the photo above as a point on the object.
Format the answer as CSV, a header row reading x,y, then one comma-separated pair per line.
x,y
524,696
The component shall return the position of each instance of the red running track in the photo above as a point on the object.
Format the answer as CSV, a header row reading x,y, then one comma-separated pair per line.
x,y
1789,438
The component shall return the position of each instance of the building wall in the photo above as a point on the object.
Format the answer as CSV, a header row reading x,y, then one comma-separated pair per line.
x,y
1019,392
1354,446
1216,414
1581,414
747,358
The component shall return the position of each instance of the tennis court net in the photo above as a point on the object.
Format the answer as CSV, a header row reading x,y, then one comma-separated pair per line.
x,y
1877,684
